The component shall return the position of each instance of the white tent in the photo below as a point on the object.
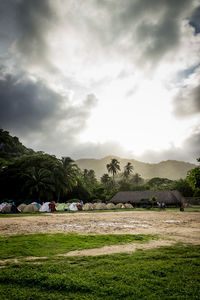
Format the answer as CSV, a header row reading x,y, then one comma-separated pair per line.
x,y
73,206
45,207
2,205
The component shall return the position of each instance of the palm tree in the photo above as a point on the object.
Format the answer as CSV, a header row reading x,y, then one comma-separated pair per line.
x,y
113,167
137,178
71,171
89,176
67,162
85,174
105,179
39,181
128,169
60,180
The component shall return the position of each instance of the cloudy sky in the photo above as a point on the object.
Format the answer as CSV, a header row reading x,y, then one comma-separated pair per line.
x,y
90,78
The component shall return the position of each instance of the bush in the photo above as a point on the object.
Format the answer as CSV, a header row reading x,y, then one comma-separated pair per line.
x,y
74,200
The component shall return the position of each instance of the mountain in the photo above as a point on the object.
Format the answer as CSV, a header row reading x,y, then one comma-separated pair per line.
x,y
171,169
11,148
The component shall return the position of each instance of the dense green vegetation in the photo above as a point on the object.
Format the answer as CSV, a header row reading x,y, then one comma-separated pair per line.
x,y
164,273
11,148
52,244
27,176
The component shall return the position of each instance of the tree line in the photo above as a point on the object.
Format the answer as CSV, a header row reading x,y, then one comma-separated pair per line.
x,y
27,176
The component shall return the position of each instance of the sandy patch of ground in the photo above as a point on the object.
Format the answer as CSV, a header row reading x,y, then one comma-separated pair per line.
x,y
181,226
127,248
106,250
172,226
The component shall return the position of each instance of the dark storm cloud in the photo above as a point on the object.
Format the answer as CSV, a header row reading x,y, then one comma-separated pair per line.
x,y
8,23
34,20
25,104
140,29
31,107
151,28
192,144
195,20
24,24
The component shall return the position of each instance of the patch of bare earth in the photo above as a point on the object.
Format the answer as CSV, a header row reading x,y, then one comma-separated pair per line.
x,y
173,225
127,248
106,250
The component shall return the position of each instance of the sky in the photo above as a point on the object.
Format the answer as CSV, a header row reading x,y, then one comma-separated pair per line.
x,y
90,78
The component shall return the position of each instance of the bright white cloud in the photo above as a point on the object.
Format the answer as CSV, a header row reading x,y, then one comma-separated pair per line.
x,y
133,56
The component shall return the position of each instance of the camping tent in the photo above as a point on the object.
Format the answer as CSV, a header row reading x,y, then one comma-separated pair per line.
x,y
119,206
36,204
30,208
88,206
6,209
100,206
45,207
2,205
60,207
110,206
128,205
73,206
21,207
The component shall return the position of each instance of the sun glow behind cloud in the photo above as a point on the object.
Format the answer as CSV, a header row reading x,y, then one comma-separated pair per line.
x,y
138,59
142,119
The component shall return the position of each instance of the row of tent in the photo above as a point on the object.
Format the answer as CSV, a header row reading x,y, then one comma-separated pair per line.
x,y
75,206
36,207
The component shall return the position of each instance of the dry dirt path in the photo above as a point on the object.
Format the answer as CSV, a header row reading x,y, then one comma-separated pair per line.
x,y
106,250
127,248
179,226
172,226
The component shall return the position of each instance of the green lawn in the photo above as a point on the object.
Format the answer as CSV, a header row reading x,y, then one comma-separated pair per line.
x,y
165,273
58,243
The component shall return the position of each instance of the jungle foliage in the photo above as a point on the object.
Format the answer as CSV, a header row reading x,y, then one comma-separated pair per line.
x,y
26,176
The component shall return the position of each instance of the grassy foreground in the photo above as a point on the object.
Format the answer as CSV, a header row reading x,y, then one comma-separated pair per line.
x,y
59,243
165,273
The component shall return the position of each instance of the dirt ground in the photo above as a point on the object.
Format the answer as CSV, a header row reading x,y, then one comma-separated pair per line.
x,y
178,226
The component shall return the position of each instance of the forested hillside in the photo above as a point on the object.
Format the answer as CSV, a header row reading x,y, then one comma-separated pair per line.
x,y
11,147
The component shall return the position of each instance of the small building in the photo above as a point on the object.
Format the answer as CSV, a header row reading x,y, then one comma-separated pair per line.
x,y
139,198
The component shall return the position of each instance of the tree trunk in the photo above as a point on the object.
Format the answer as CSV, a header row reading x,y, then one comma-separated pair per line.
x,y
58,198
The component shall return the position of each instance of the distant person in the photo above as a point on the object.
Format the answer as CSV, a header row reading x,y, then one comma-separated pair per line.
x,y
52,206
159,204
163,205
181,207
79,206
14,209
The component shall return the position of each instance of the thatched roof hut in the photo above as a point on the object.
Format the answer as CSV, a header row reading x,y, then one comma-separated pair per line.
x,y
138,197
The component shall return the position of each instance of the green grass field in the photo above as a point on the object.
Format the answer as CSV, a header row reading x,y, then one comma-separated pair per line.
x,y
58,243
162,273
167,273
